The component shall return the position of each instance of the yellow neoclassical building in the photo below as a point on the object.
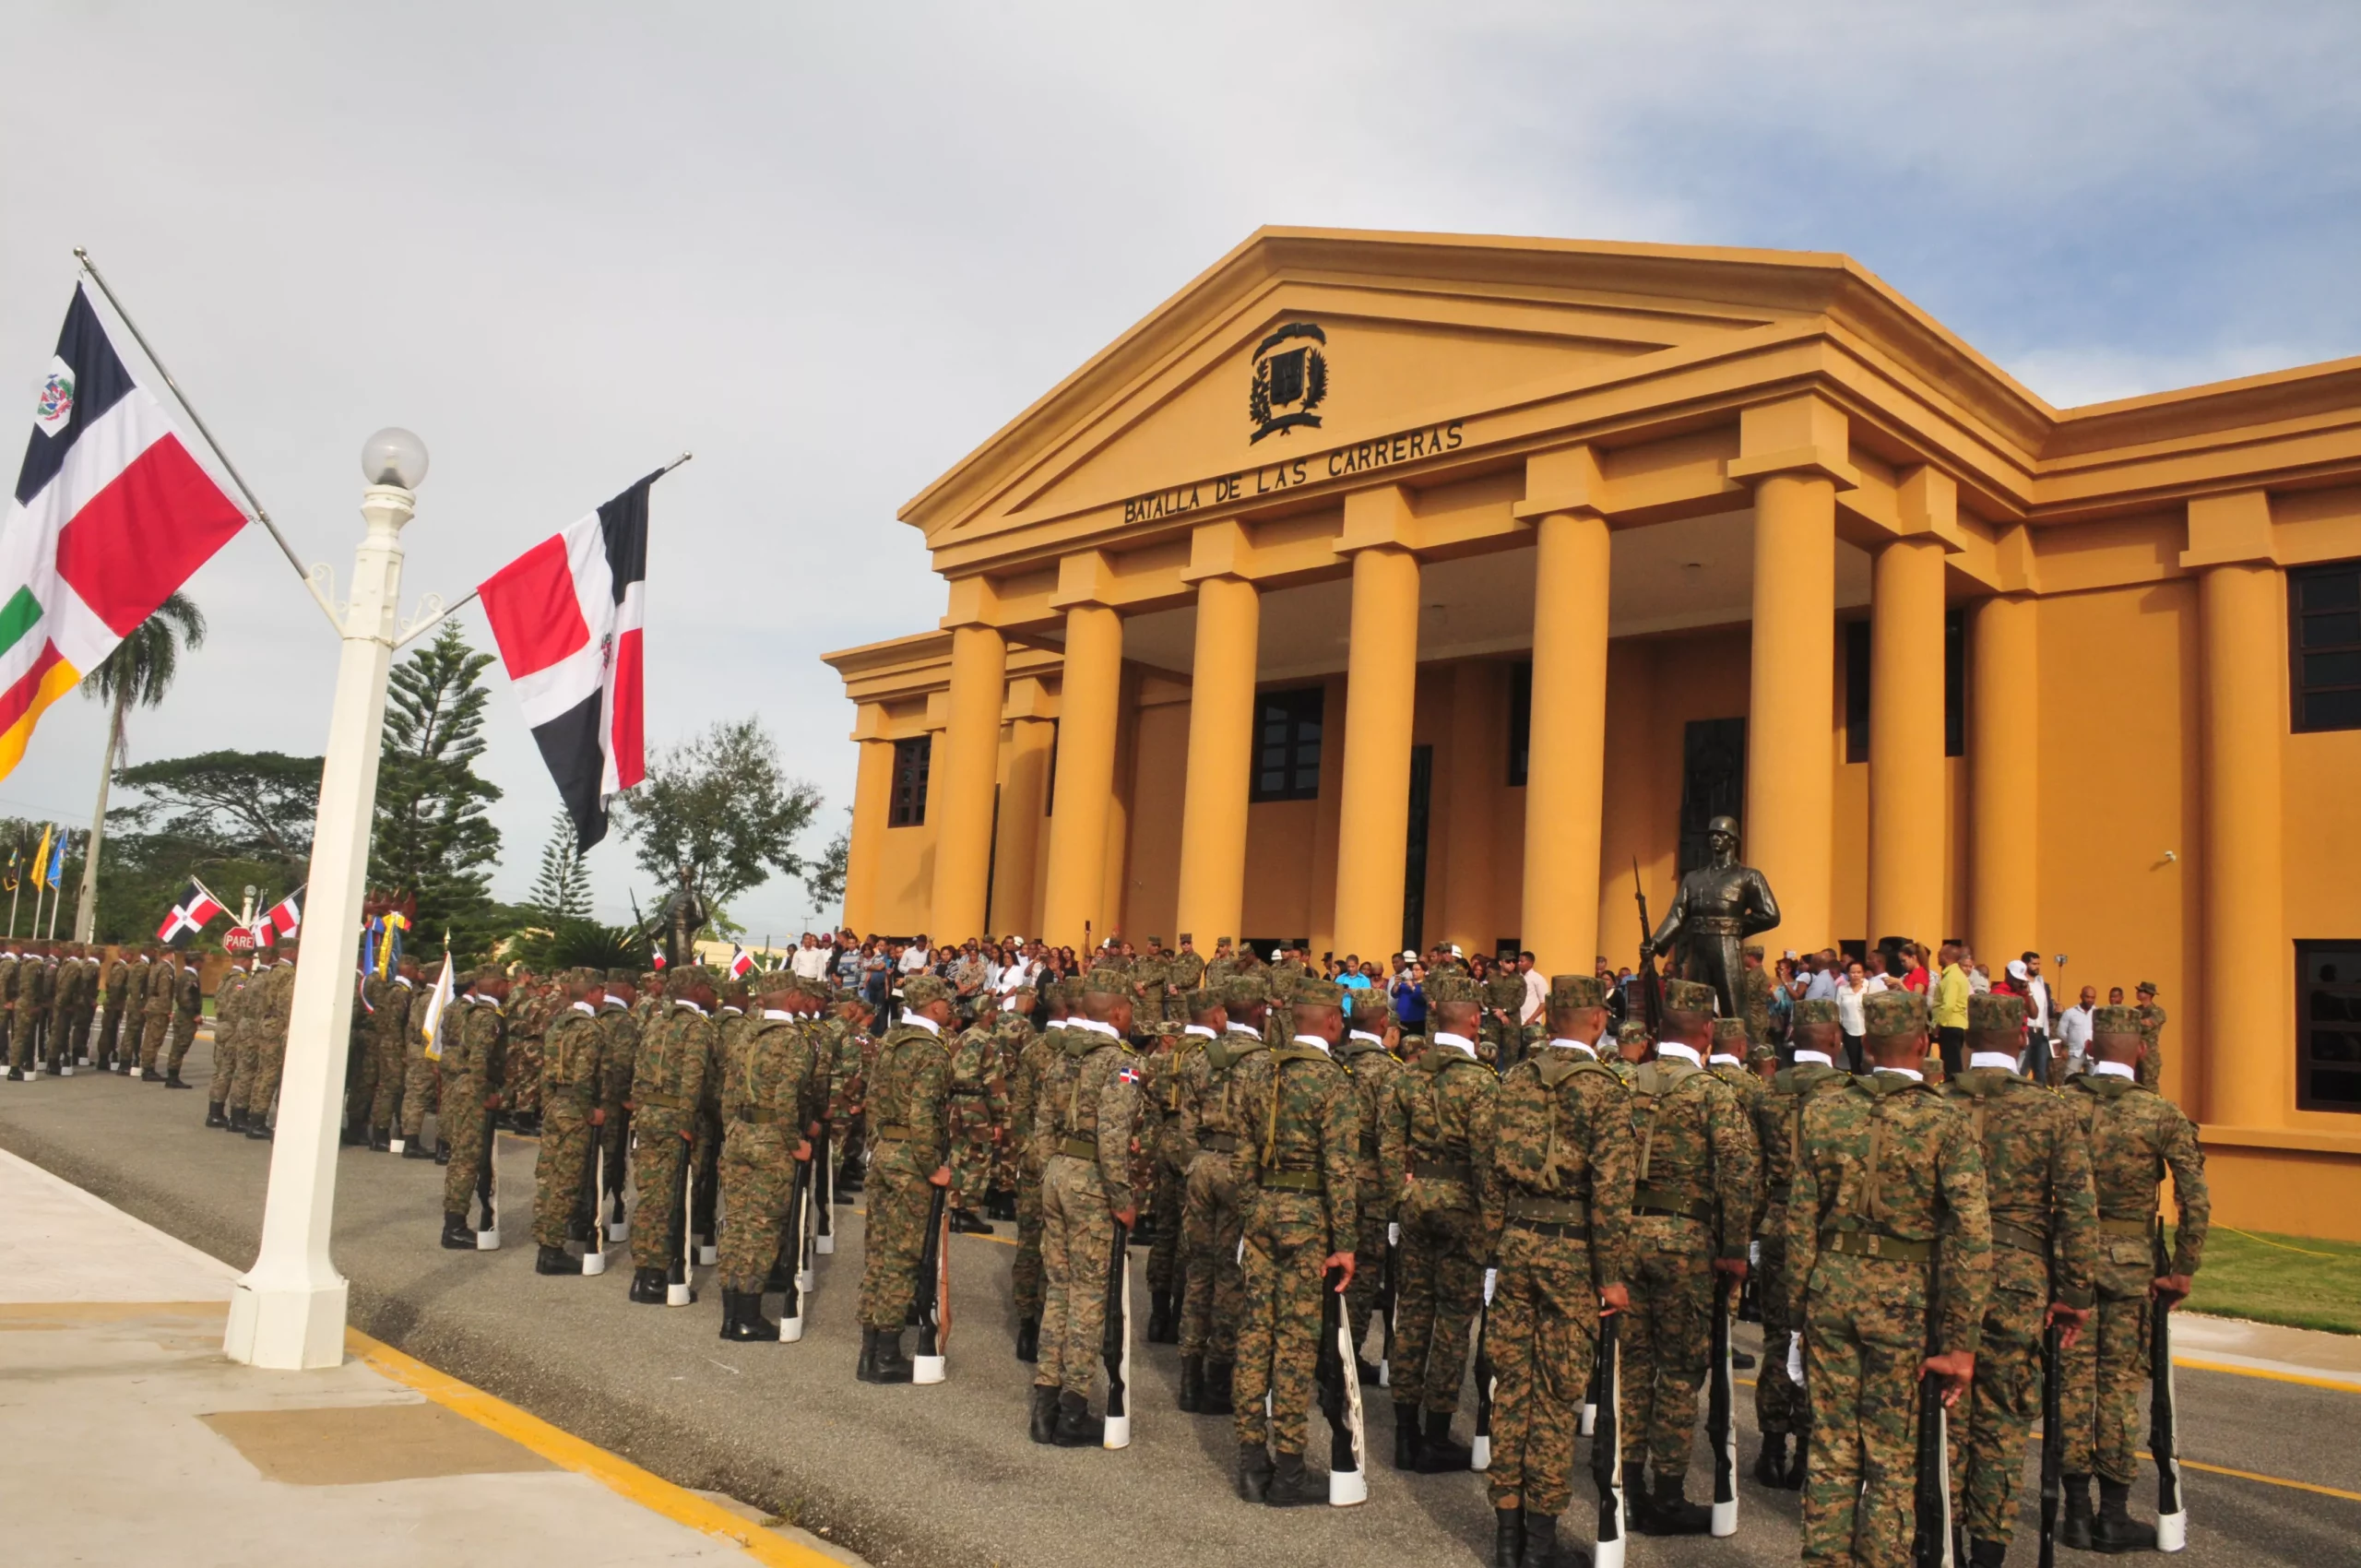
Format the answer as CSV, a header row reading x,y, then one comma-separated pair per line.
x,y
1379,589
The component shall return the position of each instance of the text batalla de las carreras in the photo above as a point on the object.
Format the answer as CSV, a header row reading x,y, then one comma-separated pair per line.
x,y
1405,446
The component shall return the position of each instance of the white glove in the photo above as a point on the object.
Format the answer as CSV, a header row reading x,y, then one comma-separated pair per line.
x,y
1796,1360
1491,1278
1393,1233
1754,1254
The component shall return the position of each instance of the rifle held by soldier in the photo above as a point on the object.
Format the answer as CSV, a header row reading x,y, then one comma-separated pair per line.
x,y
1650,983
594,1256
1340,1397
488,1185
1721,1415
2163,1422
1389,1287
680,1284
1931,1529
824,1176
2053,1441
934,1323
1115,1345
790,1305
1480,1450
1606,1445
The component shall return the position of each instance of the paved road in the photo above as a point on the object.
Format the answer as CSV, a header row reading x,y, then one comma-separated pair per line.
x,y
944,1476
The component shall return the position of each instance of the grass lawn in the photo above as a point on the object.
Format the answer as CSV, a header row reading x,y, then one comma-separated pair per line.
x,y
2265,1278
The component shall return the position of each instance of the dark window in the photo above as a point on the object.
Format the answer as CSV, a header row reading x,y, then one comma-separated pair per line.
x,y
1286,745
1413,865
1856,691
2328,1025
1955,683
911,760
2324,645
1712,783
1520,721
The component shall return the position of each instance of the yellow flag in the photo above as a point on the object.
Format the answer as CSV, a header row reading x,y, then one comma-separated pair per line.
x,y
40,856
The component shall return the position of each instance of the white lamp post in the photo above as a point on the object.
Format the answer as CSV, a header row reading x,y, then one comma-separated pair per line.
x,y
288,1311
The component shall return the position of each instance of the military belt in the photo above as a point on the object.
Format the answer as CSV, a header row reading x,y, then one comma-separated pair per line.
x,y
1079,1149
1667,1203
1291,1181
2125,1227
1565,1211
2024,1238
891,1135
1442,1170
1220,1143
664,1101
1871,1244
755,1116
1564,1230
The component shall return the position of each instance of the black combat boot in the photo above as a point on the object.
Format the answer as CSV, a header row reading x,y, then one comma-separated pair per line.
x,y
1986,1553
648,1287
1162,1328
1254,1472
237,1119
347,1136
743,1319
999,1204
1077,1428
967,1222
1217,1396
1437,1453
887,1364
442,1151
1541,1544
865,1369
1369,1375
555,1260
1741,1361
213,1116
1508,1537
1193,1384
257,1127
456,1234
1406,1437
15,1077
2075,1530
848,1180
1671,1513
1029,1338
2114,1530
1635,1493
1794,1479
380,1141
1041,1423
172,1081
415,1149
1291,1484
1771,1465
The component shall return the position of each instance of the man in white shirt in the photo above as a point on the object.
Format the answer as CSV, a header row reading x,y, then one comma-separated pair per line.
x,y
914,957
1537,992
811,961
2074,1030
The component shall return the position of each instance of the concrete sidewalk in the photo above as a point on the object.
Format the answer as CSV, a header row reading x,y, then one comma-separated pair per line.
x,y
133,1440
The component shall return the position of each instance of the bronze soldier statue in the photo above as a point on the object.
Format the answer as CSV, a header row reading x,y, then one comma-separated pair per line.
x,y
684,917
1718,906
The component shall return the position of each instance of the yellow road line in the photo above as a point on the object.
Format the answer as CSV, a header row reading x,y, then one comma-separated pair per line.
x,y
2198,1363
568,1452
2267,1481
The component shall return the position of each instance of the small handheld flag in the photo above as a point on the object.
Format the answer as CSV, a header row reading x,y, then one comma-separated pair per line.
x,y
742,963
286,918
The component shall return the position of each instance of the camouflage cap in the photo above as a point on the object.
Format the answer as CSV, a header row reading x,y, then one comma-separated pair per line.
x,y
2146,988
1894,1012
1817,1010
1761,1053
622,975
1068,992
1991,1014
1630,1029
1576,991
1241,992
2115,1021
1202,1000
920,989
1728,1032
1111,983
1309,993
1688,996
1372,1011
1752,950
1450,986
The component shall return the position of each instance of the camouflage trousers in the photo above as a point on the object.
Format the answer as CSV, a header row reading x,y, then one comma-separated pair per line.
x,y
1440,1286
242,1060
466,1131
78,1027
269,1051
111,1033
2151,1072
1167,1213
659,1157
2105,1373
21,1038
525,1071
900,1199
1995,1420
1214,1291
225,1062
758,1168
1778,1404
1542,1338
386,1071
563,1165
1368,1260
153,1029
969,1115
1865,1333
182,1036
1024,1273
420,1079
1077,1239
1278,1335
1666,1337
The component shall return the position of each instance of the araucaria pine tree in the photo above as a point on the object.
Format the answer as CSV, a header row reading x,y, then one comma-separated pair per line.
x,y
562,891
434,843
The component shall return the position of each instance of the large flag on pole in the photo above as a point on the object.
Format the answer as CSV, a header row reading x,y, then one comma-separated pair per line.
x,y
110,516
566,615
190,914
285,919
437,1000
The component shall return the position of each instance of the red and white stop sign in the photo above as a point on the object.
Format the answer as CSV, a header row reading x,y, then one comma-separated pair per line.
x,y
238,939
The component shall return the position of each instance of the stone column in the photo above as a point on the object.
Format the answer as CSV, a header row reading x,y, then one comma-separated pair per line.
x,y
1382,670
1221,758
1906,742
1016,844
1085,780
966,771
1566,768
872,801
2003,777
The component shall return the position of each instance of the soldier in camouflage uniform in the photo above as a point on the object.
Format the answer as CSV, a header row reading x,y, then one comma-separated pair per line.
x,y
976,1111
421,1075
228,1004
910,1096
1441,1148
1024,1113
188,1006
1087,1128
1221,966
1779,1409
11,961
86,1000
536,1001
1012,1033
2134,1135
573,1094
262,1036
1754,993
620,1056
1183,972
388,1031
676,1054
156,1014
1369,1060
2045,1245
2151,1032
1887,1208
1300,1185
1502,992
1210,1104
474,1071
119,971
68,1007
1168,1164
774,1091
1558,1203
1694,1202
1151,980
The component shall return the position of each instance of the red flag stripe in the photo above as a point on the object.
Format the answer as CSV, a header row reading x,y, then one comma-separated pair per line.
x,y
18,699
625,747
534,614
144,535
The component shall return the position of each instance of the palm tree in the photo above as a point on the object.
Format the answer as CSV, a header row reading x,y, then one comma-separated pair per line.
x,y
139,672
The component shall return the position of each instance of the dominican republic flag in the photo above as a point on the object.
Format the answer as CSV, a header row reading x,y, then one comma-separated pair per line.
x,y
566,615
742,963
190,915
265,934
285,919
111,515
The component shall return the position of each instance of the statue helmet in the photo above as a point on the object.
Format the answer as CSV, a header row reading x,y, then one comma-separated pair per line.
x,y
1721,825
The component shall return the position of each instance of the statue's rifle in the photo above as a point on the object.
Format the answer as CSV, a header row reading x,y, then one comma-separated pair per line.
x,y
1650,983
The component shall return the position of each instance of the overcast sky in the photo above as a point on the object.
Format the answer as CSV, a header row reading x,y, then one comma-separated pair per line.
x,y
831,248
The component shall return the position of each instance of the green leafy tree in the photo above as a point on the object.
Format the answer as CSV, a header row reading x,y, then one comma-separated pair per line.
x,y
435,844
722,809
825,876
137,675
562,891
258,804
